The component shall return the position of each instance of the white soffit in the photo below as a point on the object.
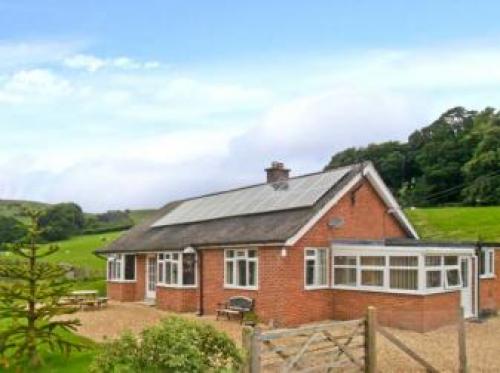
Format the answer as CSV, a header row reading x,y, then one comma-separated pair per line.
x,y
302,191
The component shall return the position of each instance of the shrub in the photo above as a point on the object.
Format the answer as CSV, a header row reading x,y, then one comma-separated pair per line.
x,y
176,345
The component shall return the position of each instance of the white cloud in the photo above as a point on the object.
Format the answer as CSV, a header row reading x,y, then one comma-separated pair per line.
x,y
136,135
93,63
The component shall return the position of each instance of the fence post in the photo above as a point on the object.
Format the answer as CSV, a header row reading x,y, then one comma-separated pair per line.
x,y
255,358
462,351
246,342
371,340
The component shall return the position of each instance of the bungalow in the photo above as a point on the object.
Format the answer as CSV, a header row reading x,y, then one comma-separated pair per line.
x,y
307,248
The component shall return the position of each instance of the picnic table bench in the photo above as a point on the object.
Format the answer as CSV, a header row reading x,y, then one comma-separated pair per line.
x,y
86,298
237,305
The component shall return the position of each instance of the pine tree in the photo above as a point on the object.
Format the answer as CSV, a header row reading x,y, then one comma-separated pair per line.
x,y
30,298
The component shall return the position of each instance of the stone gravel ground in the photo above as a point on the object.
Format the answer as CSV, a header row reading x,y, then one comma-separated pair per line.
x,y
439,347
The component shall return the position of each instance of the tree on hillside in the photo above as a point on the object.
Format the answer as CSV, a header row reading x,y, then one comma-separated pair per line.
x,y
11,230
30,294
61,221
440,150
482,171
390,159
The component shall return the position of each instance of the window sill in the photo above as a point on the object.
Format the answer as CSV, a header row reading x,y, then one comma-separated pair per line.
x,y
176,286
229,287
322,287
487,277
395,291
121,281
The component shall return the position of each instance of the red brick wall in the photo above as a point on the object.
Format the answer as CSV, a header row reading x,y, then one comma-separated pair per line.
x,y
130,291
176,299
489,289
416,312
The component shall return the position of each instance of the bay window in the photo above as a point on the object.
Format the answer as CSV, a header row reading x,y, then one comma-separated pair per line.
x,y
177,269
403,272
372,270
487,263
240,268
433,271
344,270
121,267
316,268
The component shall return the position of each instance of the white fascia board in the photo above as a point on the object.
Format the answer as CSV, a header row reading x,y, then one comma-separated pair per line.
x,y
373,176
359,249
302,231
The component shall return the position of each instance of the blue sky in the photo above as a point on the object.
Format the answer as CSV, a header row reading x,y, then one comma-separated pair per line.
x,y
122,104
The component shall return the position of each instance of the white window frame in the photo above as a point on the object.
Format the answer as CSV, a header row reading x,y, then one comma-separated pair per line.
x,y
452,267
180,270
234,259
387,252
354,266
315,257
489,263
120,259
435,268
403,268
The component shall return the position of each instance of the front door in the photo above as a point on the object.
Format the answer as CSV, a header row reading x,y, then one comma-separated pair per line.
x,y
151,277
466,292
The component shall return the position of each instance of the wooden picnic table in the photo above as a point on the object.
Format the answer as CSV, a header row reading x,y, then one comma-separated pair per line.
x,y
87,298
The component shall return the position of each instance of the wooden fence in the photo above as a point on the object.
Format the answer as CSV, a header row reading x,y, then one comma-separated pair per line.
x,y
346,345
338,345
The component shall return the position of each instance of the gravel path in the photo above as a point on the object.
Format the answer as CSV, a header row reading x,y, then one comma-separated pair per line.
x,y
110,322
439,347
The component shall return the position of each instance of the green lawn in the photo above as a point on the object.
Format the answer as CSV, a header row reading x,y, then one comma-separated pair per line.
x,y
457,223
139,215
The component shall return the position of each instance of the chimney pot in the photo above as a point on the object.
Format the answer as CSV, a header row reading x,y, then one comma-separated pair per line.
x,y
277,172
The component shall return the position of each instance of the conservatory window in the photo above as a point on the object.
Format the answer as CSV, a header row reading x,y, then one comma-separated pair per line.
x,y
487,263
344,270
177,269
121,267
403,272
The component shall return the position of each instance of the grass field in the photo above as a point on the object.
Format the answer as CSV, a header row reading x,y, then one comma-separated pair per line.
x,y
457,223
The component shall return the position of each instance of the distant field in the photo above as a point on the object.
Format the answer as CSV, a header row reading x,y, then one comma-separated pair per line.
x,y
457,223
13,208
139,215
78,251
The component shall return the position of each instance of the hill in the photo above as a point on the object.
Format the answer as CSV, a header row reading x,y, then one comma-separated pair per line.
x,y
15,208
457,223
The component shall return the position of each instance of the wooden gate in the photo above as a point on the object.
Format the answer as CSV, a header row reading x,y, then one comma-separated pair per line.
x,y
342,345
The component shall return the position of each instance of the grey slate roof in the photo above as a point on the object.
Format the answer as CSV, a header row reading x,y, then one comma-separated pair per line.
x,y
274,226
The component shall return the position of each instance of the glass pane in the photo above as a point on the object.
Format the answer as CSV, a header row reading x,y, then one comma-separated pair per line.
x,y
252,273
464,264
482,263
345,276
491,267
168,272
229,273
167,256
433,279
252,253
311,253
345,260
175,256
229,253
129,267
451,260
160,256
404,279
453,277
403,261
372,278
373,260
310,272
242,272
110,270
118,269
432,261
240,253
160,271
188,269
322,268
175,273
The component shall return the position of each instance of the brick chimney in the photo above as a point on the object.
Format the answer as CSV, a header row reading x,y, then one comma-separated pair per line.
x,y
277,172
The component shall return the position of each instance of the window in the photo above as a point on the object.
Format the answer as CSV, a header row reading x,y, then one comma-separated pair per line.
x,y
177,269
433,271
121,267
344,270
372,271
403,272
452,272
241,268
316,268
487,263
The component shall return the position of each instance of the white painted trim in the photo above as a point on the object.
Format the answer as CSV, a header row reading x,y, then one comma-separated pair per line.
x,y
378,183
234,260
161,285
317,287
302,231
360,249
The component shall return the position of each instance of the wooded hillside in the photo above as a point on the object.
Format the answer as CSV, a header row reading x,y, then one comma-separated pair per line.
x,y
453,161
